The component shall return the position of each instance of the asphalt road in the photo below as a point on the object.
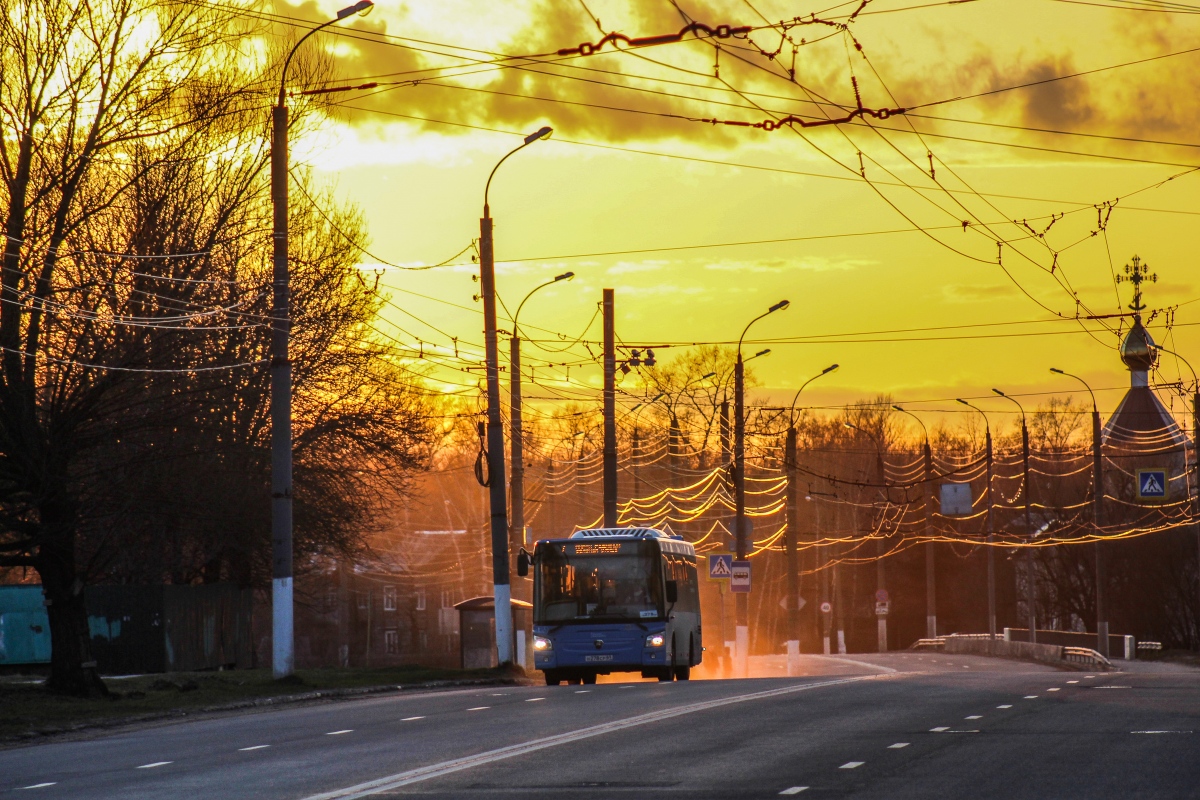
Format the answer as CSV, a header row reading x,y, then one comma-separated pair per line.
x,y
894,726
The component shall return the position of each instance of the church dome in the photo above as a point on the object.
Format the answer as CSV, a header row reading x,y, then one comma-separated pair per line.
x,y
1138,350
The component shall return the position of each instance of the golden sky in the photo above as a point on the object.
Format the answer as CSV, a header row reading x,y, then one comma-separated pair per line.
x,y
860,259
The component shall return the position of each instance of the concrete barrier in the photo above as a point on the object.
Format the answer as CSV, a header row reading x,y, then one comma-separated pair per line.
x,y
1045,653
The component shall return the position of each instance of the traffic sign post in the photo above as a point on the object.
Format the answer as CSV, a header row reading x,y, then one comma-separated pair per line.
x,y
1152,484
720,566
740,581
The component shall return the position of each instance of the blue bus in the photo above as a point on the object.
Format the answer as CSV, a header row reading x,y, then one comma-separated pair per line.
x,y
614,600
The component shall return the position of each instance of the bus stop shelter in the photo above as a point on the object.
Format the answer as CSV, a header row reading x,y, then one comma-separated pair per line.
x,y
477,628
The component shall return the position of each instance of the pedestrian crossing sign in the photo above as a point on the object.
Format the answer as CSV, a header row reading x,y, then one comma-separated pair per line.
x,y
720,566
1152,484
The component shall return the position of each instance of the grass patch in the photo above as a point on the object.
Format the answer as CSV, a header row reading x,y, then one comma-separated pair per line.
x,y
30,711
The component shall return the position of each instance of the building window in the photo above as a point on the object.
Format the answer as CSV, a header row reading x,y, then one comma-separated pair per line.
x,y
391,641
389,598
364,598
446,599
420,599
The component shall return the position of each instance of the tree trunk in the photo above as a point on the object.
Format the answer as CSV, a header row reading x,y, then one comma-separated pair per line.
x,y
72,667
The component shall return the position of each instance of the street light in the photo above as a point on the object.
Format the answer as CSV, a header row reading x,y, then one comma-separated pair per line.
x,y
991,556
930,561
502,592
283,661
1027,487
1097,515
791,532
742,630
517,488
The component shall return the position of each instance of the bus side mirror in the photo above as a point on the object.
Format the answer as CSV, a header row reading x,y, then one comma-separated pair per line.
x,y
522,564
672,592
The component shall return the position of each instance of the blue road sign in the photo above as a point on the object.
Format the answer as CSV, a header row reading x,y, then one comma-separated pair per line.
x,y
740,582
1151,484
720,566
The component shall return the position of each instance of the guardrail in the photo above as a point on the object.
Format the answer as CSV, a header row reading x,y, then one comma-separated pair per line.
x,y
1085,655
1149,645
930,644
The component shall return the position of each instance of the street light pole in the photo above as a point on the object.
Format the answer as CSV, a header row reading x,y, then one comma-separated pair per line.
x,y
930,575
742,629
1027,490
792,532
517,458
880,568
283,661
1097,515
502,592
991,555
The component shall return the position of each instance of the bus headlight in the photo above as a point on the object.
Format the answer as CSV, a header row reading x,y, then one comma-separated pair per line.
x,y
653,640
542,644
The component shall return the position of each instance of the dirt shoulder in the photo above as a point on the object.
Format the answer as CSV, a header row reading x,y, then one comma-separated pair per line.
x,y
31,714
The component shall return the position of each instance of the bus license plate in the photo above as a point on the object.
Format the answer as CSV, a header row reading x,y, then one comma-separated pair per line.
x,y
597,658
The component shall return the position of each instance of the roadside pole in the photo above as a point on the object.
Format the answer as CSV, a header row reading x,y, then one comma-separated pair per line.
x,y
610,419
793,560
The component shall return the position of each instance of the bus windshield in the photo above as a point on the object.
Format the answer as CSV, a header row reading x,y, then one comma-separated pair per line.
x,y
597,581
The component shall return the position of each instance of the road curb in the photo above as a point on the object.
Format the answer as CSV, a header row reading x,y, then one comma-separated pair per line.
x,y
44,734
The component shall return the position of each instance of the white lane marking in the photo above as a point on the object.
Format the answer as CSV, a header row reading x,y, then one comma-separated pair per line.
x,y
974,716
1004,706
479,708
1052,689
1112,687
582,691
1031,697
939,729
339,733
411,719
852,765
794,790
867,664
1088,677
1160,731
438,770
965,666
1072,681
534,699
624,687
501,694
255,747
897,745
155,764
52,783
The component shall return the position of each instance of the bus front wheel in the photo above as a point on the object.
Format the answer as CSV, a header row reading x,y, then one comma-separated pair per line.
x,y
552,678
589,679
683,673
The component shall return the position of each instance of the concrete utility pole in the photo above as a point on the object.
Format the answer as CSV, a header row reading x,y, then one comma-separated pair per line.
x,y
502,591
1097,514
283,659
880,568
1026,491
742,629
930,585
991,555
610,413
793,557
517,432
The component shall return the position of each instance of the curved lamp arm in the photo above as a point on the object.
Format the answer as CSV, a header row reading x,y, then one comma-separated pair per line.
x,y
540,133
1057,371
781,305
821,374
361,7
1014,400
986,423
566,276
924,430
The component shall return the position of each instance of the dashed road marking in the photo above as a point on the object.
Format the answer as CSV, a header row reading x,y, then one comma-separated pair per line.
x,y
852,765
411,719
534,699
1052,689
155,764
1031,697
255,747
897,745
1004,706
479,708
582,691
339,733
1088,677
53,783
1072,681
1160,731
794,790
974,716
939,729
